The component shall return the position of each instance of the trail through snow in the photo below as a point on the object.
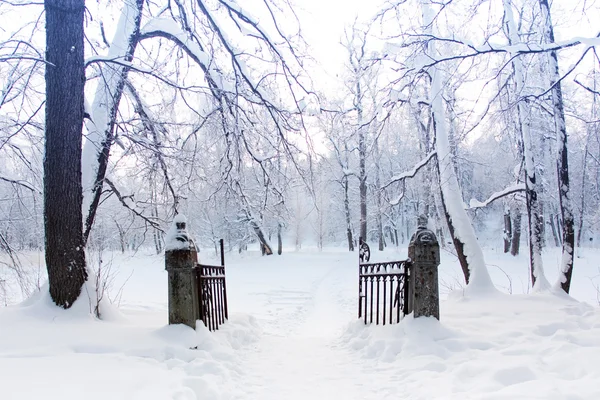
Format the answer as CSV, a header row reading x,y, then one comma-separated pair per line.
x,y
300,355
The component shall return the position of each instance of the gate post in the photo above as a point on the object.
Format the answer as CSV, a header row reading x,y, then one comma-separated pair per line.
x,y
424,252
180,262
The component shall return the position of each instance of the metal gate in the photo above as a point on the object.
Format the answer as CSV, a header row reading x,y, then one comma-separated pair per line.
x,y
212,293
383,289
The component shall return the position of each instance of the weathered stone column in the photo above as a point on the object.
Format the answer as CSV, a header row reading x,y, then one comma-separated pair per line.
x,y
180,262
424,251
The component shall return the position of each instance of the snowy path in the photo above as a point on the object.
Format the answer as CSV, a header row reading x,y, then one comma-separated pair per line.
x,y
300,355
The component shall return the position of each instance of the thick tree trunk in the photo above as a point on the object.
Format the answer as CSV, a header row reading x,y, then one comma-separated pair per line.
x,y
515,243
63,220
562,162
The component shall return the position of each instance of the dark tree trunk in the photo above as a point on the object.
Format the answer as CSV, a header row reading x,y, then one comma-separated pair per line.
x,y
516,236
458,244
265,248
562,162
63,220
507,231
279,241
554,231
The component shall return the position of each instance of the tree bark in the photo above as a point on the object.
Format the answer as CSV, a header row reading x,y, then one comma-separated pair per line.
x,y
562,162
362,151
507,231
63,220
554,230
348,222
515,243
279,240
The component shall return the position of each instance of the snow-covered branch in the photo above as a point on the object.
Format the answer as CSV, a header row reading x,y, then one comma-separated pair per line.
x,y
474,204
412,172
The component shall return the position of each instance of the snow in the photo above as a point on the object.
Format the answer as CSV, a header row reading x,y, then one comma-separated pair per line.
x,y
175,239
293,334
170,27
474,203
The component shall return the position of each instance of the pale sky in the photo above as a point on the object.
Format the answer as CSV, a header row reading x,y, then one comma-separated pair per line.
x,y
323,23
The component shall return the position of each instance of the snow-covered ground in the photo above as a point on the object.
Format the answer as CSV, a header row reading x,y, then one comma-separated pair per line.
x,y
293,334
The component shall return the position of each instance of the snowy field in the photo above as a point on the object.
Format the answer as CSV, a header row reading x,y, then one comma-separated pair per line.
x,y
293,334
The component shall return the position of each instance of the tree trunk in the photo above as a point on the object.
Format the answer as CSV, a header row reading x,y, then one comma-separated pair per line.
x,y
279,240
534,215
461,229
347,212
101,124
63,220
562,163
363,184
516,235
584,168
378,197
554,231
507,231
362,157
264,245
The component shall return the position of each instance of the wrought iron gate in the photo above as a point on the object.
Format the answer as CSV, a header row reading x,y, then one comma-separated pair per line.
x,y
212,293
383,289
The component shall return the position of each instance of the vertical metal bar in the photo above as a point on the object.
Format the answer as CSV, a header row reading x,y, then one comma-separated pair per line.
x,y
384,297
218,301
359,284
406,286
371,301
377,319
197,275
222,285
366,296
391,298
222,252
225,298
222,306
214,300
399,305
360,292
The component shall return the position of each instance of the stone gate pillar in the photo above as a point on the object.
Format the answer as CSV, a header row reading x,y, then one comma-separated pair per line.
x,y
424,252
180,262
